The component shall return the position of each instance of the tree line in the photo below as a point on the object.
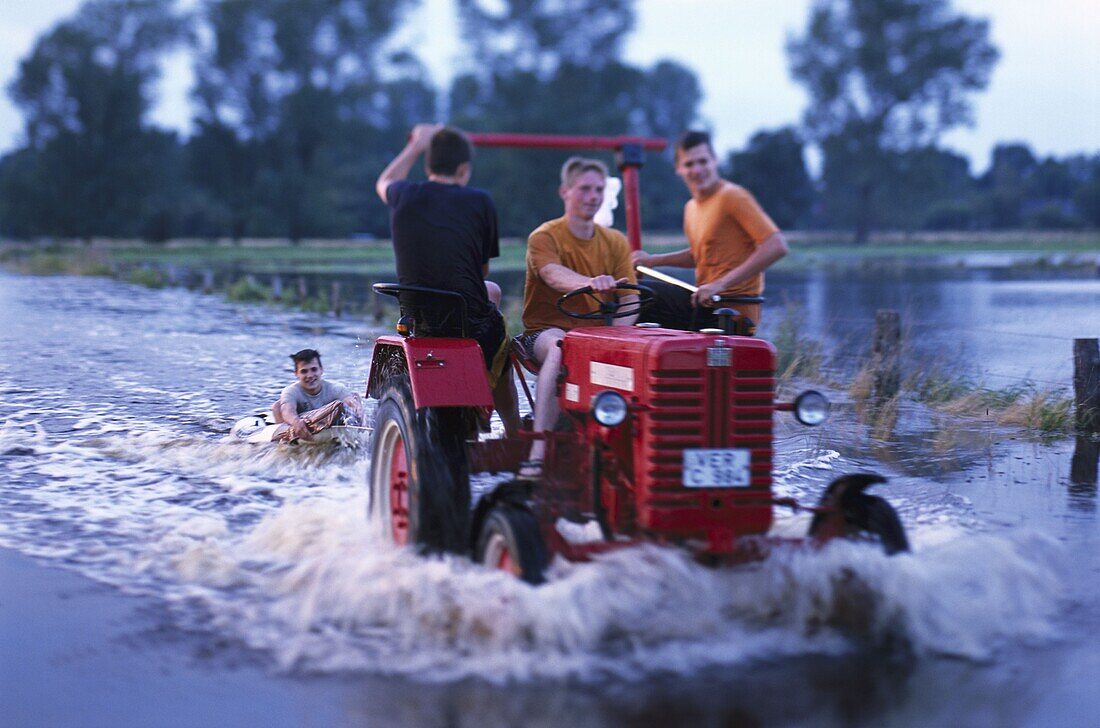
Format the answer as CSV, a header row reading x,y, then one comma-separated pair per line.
x,y
298,104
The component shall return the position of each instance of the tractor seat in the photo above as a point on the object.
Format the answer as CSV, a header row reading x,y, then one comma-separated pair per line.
x,y
522,357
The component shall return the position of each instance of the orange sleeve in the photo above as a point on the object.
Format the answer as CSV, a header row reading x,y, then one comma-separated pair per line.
x,y
743,207
541,251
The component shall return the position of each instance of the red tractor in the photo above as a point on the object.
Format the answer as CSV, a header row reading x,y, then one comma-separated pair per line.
x,y
665,436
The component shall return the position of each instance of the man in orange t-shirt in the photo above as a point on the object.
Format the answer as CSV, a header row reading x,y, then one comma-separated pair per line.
x,y
562,255
731,241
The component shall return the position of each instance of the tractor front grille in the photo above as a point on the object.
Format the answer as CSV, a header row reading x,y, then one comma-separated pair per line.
x,y
675,421
704,407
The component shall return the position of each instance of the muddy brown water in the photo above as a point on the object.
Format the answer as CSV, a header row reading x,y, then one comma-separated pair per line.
x,y
155,573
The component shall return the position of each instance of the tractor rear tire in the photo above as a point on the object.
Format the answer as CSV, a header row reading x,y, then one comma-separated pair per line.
x,y
418,485
510,540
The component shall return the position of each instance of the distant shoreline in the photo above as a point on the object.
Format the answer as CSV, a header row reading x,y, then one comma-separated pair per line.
x,y
979,239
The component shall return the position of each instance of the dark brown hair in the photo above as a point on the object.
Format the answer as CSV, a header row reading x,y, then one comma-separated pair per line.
x,y
691,139
305,356
448,148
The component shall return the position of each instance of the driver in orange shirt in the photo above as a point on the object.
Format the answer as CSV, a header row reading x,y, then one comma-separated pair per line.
x,y
562,255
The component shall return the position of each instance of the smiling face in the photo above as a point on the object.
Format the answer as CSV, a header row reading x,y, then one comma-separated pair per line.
x,y
584,196
698,168
309,375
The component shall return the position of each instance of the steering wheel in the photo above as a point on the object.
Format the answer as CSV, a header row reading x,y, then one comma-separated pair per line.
x,y
608,310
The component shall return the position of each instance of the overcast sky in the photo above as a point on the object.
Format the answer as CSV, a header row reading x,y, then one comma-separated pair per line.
x,y
1045,89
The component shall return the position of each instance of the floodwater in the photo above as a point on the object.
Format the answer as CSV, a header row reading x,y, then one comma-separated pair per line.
x,y
209,581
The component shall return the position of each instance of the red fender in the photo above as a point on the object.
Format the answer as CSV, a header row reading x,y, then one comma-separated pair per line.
x,y
442,372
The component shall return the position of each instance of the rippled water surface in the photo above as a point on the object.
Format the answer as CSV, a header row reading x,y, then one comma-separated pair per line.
x,y
115,404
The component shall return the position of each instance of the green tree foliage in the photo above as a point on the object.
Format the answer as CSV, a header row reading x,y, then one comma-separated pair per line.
x,y
928,189
91,164
922,188
298,102
774,170
1004,186
1021,190
1087,197
936,191
553,67
885,77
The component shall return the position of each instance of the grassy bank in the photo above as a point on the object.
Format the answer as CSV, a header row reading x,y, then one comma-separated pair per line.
x,y
934,387
321,257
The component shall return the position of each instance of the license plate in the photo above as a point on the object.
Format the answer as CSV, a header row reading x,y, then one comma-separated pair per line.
x,y
725,468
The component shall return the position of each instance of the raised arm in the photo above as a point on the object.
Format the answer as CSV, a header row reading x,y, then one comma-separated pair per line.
x,y
401,165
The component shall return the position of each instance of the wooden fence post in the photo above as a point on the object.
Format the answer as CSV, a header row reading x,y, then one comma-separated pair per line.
x,y
378,308
886,354
334,299
303,292
208,281
1086,384
276,287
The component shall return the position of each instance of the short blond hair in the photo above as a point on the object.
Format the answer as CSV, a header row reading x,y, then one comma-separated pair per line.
x,y
576,166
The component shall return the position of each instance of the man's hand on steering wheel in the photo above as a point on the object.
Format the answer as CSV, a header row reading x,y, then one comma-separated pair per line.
x,y
604,283
608,309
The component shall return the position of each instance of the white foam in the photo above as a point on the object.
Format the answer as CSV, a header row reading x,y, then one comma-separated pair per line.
x,y
343,601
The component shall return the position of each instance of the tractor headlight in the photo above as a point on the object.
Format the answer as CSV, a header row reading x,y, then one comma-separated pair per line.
x,y
811,407
609,408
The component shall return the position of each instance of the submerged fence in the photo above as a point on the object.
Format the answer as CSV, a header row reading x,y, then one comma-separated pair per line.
x,y
885,363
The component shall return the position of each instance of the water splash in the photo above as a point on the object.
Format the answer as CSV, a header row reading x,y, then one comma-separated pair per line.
x,y
344,601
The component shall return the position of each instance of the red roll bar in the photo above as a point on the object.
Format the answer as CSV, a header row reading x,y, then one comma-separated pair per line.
x,y
629,155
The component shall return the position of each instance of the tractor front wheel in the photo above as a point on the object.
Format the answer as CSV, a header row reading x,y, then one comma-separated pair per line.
x,y
854,514
876,520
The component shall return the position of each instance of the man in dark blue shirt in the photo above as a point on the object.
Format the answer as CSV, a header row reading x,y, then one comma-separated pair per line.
x,y
444,234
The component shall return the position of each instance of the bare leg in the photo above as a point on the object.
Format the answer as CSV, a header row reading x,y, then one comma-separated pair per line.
x,y
277,413
505,399
548,353
506,402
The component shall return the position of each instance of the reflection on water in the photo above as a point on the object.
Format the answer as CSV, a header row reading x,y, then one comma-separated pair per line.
x,y
1082,488
115,461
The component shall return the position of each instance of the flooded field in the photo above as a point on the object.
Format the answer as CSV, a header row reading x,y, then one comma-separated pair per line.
x,y
247,574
